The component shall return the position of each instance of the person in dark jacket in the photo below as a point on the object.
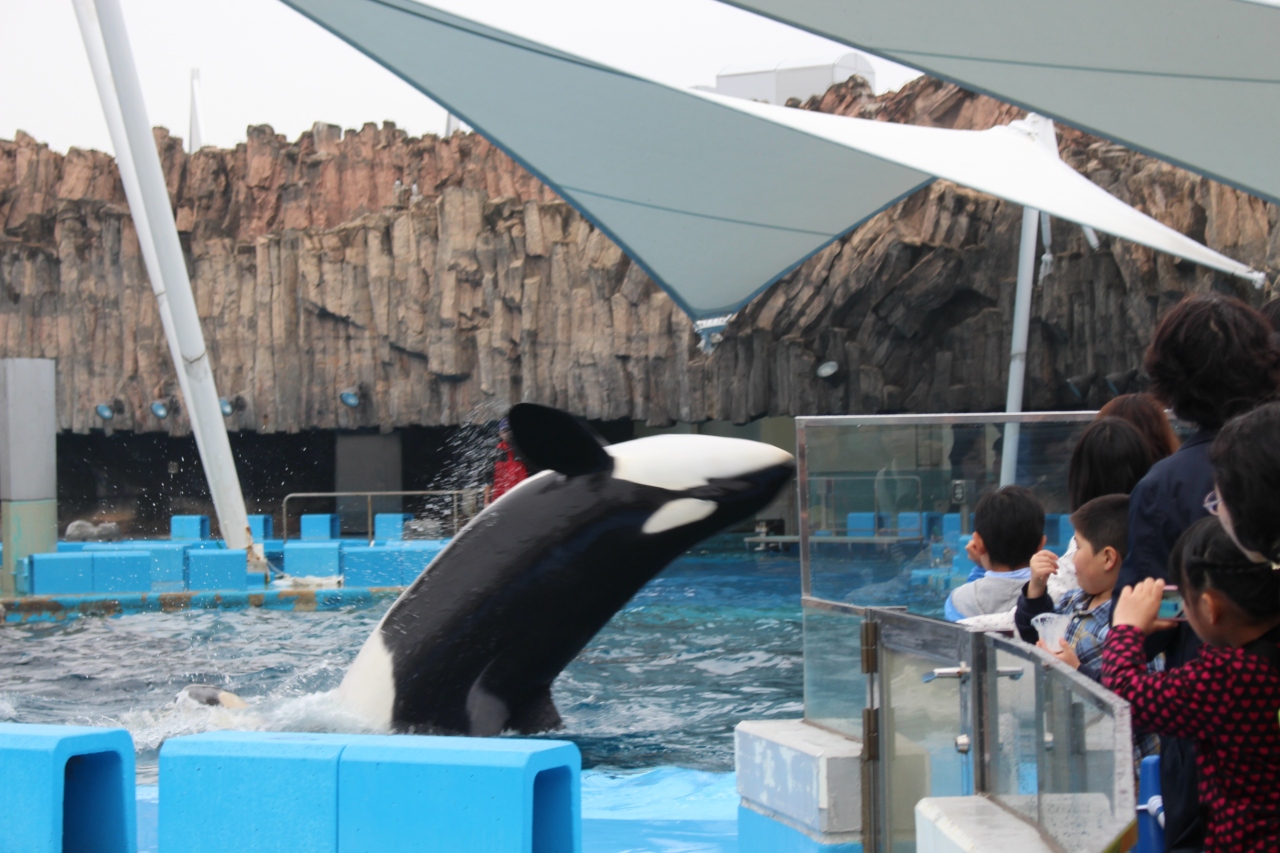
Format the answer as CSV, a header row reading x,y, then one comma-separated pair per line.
x,y
1212,358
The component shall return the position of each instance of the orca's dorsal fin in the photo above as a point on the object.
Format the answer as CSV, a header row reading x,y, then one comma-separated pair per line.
x,y
550,438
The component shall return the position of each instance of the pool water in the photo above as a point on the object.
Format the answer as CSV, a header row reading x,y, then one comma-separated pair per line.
x,y
711,641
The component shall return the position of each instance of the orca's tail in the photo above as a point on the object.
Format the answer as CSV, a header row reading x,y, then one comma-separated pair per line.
x,y
207,694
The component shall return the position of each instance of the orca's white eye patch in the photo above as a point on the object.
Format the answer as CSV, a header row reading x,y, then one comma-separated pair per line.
x,y
678,513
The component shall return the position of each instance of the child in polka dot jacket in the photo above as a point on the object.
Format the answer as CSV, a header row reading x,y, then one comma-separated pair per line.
x,y
1228,698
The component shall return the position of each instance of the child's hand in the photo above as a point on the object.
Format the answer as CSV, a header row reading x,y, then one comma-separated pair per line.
x,y
1139,605
1066,653
1043,564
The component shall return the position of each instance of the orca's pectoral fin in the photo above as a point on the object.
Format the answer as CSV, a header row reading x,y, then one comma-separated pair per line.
x,y
551,439
537,714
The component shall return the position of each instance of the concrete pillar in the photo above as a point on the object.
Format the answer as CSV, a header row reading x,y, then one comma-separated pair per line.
x,y
366,463
28,462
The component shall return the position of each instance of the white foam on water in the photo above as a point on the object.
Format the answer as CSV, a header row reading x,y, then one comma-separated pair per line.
x,y
8,710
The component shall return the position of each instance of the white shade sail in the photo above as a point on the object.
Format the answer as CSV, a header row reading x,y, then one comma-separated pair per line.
x,y
716,198
1195,82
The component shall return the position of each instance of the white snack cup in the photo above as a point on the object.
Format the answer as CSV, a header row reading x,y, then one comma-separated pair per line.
x,y
1051,627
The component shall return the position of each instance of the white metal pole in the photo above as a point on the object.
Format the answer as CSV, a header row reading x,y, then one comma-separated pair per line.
x,y
166,265
1018,349
97,51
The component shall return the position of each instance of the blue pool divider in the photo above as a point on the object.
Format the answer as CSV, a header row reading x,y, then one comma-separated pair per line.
x,y
189,527
71,788
255,792
261,527
319,526
67,788
390,525
313,559
217,569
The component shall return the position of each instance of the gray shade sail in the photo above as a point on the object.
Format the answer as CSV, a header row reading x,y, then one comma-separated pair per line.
x,y
715,197
713,203
1195,82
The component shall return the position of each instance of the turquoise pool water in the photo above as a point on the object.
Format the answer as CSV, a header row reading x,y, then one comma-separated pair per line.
x,y
712,640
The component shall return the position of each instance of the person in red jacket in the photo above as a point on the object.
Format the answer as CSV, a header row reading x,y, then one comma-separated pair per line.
x,y
1226,700
509,469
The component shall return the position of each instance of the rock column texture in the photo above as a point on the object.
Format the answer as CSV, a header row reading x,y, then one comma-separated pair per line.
x,y
444,283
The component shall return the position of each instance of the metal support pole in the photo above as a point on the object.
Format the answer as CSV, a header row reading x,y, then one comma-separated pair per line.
x,y
1018,349
103,29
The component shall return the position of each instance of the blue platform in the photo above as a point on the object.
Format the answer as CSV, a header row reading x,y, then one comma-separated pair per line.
x,y
67,788
325,793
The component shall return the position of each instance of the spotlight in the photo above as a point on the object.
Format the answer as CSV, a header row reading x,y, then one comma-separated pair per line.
x,y
827,370
105,411
227,408
159,409
350,398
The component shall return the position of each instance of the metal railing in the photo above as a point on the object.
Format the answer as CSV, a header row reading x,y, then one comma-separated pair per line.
x,y
455,496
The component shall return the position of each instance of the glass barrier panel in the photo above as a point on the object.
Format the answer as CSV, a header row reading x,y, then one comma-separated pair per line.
x,y
1086,788
835,688
1013,729
926,734
888,501
1062,752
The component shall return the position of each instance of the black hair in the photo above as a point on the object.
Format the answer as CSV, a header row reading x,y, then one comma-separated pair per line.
x,y
1212,358
1271,310
1110,458
1011,524
1246,469
1104,521
1205,557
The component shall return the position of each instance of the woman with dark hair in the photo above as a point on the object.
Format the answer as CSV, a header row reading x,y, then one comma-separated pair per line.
x,y
1246,473
1148,418
1212,357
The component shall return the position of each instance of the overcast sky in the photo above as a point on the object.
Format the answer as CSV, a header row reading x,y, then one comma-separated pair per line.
x,y
262,63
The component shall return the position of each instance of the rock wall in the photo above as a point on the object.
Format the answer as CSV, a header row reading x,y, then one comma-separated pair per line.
x,y
445,283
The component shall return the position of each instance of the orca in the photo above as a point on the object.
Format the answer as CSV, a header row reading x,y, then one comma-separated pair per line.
x,y
474,644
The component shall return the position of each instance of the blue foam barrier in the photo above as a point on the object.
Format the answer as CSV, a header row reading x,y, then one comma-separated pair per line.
x,y
499,795
189,527
313,559
251,792
861,523
73,547
758,833
67,788
257,580
326,793
168,560
60,574
388,526
121,571
319,526
951,529
374,566
261,527
1150,830
911,524
216,569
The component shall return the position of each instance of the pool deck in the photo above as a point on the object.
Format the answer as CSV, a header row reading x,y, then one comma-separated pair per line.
x,y
61,608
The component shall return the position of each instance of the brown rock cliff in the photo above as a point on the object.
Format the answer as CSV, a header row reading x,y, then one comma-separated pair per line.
x,y
446,282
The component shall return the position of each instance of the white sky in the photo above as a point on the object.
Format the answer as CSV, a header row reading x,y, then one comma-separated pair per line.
x,y
262,63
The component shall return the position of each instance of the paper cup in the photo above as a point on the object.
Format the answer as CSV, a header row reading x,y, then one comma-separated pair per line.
x,y
1052,627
